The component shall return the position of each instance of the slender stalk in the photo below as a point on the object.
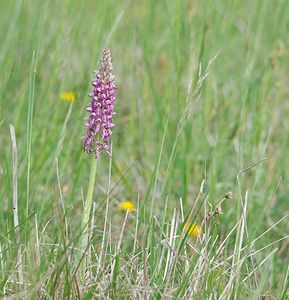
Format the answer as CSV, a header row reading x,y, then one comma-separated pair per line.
x,y
29,130
86,214
88,202
15,205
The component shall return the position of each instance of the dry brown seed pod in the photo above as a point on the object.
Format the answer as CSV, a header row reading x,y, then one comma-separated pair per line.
x,y
229,195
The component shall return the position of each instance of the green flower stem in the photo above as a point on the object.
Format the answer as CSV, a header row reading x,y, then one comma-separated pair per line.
x,y
87,210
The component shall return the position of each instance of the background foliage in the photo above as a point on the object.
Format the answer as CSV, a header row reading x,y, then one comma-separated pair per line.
x,y
168,138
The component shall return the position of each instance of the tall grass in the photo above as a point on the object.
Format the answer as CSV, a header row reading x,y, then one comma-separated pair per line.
x,y
202,110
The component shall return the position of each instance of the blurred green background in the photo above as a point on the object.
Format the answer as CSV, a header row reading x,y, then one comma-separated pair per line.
x,y
235,117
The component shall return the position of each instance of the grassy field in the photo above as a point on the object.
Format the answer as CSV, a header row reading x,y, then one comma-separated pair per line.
x,y
202,118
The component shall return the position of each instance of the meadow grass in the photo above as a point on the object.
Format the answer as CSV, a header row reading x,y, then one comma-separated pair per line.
x,y
202,111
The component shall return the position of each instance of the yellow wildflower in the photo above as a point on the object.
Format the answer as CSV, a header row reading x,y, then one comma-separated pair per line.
x,y
127,206
193,230
67,96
